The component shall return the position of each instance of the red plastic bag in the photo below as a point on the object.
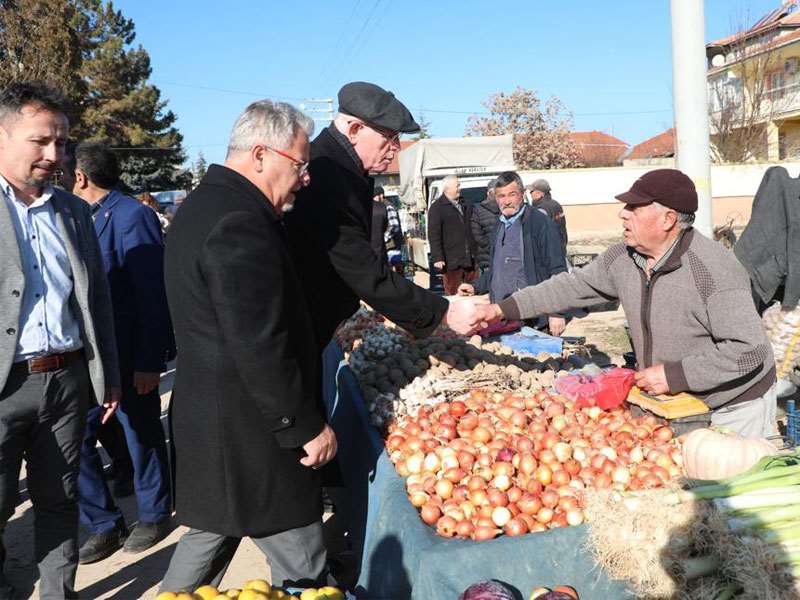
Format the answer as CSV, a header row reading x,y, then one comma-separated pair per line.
x,y
614,386
606,390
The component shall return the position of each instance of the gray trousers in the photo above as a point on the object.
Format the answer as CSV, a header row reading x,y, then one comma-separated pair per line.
x,y
296,557
42,417
755,418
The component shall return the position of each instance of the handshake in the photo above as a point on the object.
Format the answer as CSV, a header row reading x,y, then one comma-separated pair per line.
x,y
468,315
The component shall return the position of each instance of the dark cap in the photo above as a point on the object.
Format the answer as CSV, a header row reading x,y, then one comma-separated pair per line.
x,y
378,191
669,187
540,185
376,106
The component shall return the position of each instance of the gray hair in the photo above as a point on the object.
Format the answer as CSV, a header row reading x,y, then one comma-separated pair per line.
x,y
490,187
507,178
684,220
273,123
448,180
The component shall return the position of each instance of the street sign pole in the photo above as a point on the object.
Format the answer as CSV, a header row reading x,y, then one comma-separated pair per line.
x,y
690,103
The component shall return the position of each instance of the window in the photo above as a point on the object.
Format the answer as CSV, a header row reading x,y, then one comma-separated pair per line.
x,y
775,85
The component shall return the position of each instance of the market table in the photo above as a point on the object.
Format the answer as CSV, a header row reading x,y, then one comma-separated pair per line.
x,y
402,558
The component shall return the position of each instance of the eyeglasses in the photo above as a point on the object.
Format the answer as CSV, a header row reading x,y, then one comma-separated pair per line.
x,y
391,137
300,166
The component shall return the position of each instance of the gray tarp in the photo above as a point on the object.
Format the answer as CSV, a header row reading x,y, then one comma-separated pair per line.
x,y
445,156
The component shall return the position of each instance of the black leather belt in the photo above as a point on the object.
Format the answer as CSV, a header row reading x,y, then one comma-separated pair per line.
x,y
46,364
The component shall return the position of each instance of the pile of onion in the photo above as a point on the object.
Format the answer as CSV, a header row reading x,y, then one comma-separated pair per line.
x,y
507,463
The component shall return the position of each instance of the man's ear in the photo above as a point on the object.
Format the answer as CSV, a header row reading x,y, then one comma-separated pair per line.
x,y
670,219
81,180
257,157
353,127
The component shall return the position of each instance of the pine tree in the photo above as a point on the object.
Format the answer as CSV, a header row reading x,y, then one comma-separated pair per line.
x,y
199,169
86,48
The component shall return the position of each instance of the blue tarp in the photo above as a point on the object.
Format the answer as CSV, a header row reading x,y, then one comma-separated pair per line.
x,y
402,558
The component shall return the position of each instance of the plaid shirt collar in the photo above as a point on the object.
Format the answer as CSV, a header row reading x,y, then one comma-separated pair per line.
x,y
641,259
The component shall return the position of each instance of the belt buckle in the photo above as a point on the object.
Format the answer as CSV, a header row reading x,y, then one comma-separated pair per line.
x,y
45,364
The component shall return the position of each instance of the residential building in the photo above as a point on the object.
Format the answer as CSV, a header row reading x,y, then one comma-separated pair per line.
x,y
599,149
754,85
658,150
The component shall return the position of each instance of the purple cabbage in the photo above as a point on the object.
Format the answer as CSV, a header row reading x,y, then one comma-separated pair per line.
x,y
487,590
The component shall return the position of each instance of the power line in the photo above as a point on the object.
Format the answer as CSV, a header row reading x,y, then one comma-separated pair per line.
x,y
422,110
329,63
357,38
228,91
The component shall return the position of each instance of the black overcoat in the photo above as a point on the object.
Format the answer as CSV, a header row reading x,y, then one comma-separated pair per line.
x,y
245,395
330,231
450,235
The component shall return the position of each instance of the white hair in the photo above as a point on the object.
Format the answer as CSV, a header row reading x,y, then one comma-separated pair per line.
x,y
266,122
448,181
341,120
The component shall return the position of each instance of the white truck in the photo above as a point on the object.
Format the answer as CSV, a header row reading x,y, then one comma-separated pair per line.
x,y
475,160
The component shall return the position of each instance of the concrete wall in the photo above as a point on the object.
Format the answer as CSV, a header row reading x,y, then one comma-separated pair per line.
x,y
572,187
586,220
588,194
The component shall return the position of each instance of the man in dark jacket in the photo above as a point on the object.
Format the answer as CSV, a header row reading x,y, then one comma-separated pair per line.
x,y
330,226
484,225
450,237
133,257
540,194
526,250
249,434
769,247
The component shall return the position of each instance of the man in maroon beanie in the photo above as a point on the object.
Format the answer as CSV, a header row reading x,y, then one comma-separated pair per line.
x,y
688,303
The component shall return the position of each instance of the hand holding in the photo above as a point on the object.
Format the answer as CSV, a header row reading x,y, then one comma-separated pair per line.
x,y
145,382
466,289
556,325
464,315
652,380
321,449
110,403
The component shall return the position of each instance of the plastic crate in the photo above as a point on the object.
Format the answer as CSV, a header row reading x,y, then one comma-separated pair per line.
x,y
792,423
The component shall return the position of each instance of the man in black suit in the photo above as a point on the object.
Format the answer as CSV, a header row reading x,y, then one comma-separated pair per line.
x,y
330,228
248,432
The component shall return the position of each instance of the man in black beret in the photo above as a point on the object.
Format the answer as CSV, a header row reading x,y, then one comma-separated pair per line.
x,y
330,226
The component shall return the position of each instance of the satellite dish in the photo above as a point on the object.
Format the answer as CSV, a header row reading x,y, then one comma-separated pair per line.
x,y
718,60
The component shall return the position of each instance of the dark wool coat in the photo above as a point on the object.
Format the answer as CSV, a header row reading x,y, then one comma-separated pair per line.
x,y
330,231
245,395
449,235
484,225
770,244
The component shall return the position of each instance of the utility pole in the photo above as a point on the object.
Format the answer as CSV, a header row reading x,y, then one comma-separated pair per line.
x,y
319,106
690,103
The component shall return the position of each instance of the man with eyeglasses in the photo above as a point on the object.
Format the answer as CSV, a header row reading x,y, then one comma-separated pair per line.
x,y
330,228
248,433
526,250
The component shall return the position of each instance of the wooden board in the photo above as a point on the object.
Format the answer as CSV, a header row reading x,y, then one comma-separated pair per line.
x,y
667,406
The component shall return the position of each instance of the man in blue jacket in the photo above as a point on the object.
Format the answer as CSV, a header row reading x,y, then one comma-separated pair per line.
x,y
526,250
133,256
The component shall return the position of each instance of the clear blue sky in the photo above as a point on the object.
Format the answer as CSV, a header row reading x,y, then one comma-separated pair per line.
x,y
609,62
